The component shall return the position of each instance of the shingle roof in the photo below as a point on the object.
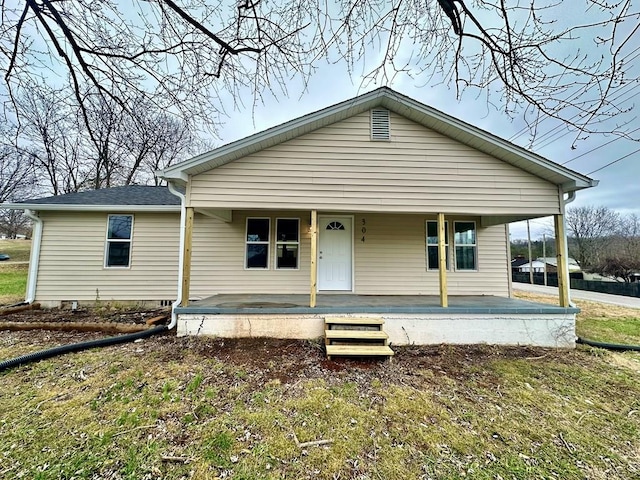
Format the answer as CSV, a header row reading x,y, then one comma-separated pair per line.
x,y
129,196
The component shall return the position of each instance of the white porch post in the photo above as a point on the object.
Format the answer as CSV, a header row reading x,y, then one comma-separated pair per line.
x,y
563,271
442,261
186,252
314,256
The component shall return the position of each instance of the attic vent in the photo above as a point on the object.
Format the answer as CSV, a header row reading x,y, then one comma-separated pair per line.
x,y
380,124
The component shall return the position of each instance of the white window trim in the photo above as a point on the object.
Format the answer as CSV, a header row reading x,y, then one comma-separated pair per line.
x,y
277,242
247,242
111,240
447,249
474,245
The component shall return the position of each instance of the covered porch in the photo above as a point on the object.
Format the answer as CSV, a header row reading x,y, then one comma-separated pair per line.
x,y
408,319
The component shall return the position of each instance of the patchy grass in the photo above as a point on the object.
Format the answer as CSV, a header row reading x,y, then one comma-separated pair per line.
x,y
18,250
204,408
13,283
13,272
598,321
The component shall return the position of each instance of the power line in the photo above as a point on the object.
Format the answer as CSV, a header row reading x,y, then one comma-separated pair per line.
x,y
524,130
615,161
598,147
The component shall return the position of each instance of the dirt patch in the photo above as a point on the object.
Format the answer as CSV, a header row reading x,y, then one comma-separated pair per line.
x,y
84,315
290,361
287,361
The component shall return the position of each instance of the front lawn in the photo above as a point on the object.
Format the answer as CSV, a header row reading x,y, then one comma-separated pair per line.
x,y
176,408
598,321
13,282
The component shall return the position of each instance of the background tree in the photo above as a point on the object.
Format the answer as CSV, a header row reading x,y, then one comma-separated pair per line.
x,y
17,179
590,229
543,58
621,257
16,174
14,223
126,146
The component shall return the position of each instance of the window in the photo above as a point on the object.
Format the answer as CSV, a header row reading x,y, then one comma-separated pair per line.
x,y
287,242
335,226
432,245
464,239
118,250
257,243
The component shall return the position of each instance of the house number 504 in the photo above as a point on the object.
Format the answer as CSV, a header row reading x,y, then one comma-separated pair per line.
x,y
363,229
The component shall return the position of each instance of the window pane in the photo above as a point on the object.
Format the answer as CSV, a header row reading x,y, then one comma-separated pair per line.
x,y
432,257
465,233
432,233
287,256
120,227
118,254
465,258
257,255
258,230
287,230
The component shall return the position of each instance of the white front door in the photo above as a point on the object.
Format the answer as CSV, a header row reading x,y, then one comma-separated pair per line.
x,y
335,244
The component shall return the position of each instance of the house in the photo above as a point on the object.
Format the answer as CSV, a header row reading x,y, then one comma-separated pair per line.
x,y
539,263
377,206
113,245
517,262
536,266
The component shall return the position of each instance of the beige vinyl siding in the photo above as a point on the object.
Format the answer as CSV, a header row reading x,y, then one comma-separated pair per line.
x,y
391,260
339,168
218,255
72,258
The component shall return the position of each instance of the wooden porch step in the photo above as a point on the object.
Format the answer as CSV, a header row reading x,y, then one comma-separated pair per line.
x,y
359,350
353,321
355,335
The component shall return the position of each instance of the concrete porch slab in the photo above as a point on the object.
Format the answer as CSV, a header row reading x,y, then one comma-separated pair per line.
x,y
350,303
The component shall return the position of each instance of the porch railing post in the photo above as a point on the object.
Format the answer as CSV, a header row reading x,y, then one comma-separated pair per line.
x,y
563,271
186,252
314,256
442,261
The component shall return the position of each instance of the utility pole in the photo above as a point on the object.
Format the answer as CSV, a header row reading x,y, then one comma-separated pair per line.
x,y
530,259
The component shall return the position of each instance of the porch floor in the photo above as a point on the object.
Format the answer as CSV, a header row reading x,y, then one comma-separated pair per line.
x,y
349,303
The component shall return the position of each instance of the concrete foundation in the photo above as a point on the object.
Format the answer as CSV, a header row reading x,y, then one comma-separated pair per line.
x,y
544,330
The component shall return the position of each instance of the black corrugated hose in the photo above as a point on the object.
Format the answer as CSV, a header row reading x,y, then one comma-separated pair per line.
x,y
609,346
76,347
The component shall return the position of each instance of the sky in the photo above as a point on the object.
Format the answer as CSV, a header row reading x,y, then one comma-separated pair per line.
x,y
619,187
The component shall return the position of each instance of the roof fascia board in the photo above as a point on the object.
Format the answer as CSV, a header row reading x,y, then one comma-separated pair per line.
x,y
179,176
90,208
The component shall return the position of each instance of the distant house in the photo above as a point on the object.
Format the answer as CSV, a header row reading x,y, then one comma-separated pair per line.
x,y
379,206
517,262
538,265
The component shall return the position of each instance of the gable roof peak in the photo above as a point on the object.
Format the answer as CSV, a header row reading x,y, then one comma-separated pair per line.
x,y
400,104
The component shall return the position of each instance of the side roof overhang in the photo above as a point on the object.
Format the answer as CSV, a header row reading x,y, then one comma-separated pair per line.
x,y
393,101
133,198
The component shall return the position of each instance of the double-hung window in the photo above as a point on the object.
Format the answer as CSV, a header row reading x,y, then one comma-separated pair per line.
x,y
119,235
464,239
257,243
287,243
432,245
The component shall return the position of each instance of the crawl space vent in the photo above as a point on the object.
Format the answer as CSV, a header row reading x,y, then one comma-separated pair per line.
x,y
380,124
